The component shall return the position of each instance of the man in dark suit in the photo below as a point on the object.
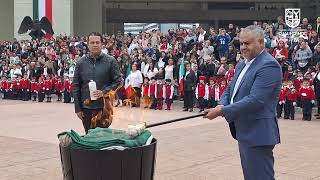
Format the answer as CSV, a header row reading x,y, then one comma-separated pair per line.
x,y
190,81
249,106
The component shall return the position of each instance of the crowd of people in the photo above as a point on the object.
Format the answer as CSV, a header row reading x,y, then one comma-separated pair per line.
x,y
195,65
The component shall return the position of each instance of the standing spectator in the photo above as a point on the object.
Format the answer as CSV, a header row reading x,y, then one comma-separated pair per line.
x,y
304,24
280,53
135,80
170,71
317,26
202,35
316,85
316,55
313,40
189,87
303,57
223,41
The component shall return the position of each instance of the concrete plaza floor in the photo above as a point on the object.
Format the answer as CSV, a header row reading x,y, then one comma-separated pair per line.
x,y
196,149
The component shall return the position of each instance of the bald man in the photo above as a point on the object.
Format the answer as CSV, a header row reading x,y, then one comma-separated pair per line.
x,y
249,106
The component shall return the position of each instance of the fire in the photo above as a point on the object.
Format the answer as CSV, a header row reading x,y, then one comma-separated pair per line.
x,y
104,117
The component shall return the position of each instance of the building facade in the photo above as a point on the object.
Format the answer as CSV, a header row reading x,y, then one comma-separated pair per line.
x,y
79,17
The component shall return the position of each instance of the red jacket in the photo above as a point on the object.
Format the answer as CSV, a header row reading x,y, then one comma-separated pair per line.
x,y
25,84
211,92
145,90
152,89
292,95
168,91
41,86
306,93
48,85
281,96
8,85
4,85
230,75
13,85
19,84
222,89
297,83
201,90
34,87
59,86
159,91
284,52
67,86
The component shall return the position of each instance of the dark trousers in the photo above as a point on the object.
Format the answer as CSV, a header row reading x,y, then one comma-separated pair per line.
x,y
188,99
318,105
257,162
168,103
279,110
306,109
25,95
59,94
19,94
212,103
202,103
88,114
159,103
4,94
34,96
41,96
66,97
153,103
289,110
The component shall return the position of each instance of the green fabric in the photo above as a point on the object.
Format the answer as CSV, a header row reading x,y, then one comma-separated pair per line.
x,y
36,9
100,138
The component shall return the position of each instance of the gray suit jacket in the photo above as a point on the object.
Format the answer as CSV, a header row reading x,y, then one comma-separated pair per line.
x,y
252,116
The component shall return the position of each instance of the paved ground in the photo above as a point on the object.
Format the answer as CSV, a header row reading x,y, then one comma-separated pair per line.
x,y
197,149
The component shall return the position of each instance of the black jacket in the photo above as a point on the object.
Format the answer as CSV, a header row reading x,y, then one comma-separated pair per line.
x,y
190,81
104,70
316,85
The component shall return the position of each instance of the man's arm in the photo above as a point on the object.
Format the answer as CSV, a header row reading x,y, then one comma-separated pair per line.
x,y
115,77
76,83
267,80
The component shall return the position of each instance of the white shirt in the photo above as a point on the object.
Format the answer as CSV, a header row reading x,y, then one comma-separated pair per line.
x,y
134,79
168,72
241,75
201,37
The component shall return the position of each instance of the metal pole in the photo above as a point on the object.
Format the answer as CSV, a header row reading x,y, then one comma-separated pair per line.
x,y
175,120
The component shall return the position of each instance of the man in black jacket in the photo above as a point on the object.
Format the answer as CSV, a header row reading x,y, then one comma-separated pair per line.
x,y
190,81
102,69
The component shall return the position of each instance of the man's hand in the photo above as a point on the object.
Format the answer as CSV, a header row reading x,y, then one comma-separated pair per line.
x,y
214,112
98,93
80,115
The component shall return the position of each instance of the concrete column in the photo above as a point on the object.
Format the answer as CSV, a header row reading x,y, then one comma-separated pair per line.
x,y
7,19
21,8
62,16
87,16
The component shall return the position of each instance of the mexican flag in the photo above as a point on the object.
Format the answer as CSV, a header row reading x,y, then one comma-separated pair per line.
x,y
42,8
182,71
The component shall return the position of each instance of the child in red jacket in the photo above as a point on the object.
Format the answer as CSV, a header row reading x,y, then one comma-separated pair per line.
x,y
307,96
59,88
168,93
282,98
34,89
290,101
